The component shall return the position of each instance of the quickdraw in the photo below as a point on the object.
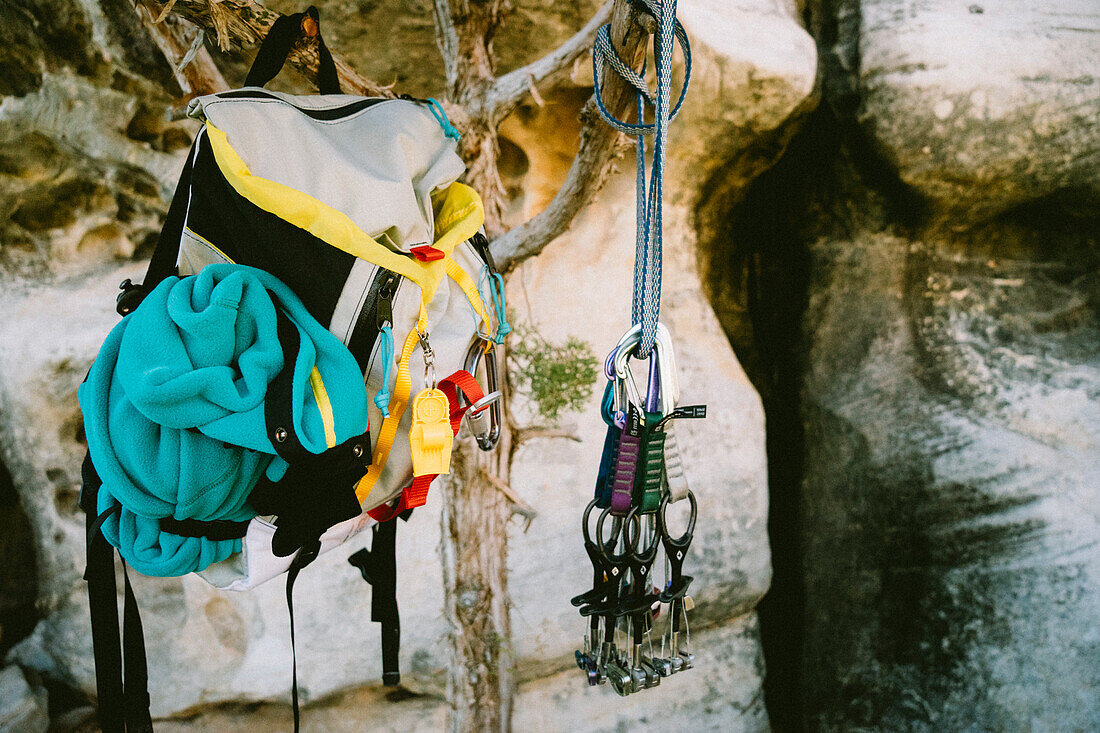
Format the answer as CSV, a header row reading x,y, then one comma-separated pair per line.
x,y
633,492
640,471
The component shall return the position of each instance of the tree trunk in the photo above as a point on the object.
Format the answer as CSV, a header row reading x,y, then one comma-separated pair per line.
x,y
481,683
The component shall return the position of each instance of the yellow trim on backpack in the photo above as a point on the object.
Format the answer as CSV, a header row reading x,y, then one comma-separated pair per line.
x,y
458,214
320,395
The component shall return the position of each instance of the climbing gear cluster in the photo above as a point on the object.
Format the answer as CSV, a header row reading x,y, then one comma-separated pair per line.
x,y
641,473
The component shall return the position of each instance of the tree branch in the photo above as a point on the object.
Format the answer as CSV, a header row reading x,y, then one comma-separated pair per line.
x,y
600,145
519,506
191,64
241,23
447,39
509,90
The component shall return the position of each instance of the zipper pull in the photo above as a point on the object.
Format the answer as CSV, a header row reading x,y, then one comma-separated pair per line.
x,y
481,244
385,304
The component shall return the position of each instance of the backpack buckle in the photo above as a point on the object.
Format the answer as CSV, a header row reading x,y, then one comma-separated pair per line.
x,y
427,253
130,298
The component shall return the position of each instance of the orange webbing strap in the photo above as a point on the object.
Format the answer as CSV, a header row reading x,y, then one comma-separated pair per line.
x,y
416,493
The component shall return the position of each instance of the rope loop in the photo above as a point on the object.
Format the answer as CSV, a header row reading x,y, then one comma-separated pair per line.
x,y
646,306
604,53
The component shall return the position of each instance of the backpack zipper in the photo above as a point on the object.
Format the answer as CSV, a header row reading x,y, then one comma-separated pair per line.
x,y
376,312
326,114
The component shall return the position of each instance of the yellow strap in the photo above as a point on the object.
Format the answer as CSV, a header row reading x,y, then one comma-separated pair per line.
x,y
320,394
400,400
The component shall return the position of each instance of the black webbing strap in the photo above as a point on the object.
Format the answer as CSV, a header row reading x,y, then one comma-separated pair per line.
x,y
121,709
378,565
281,37
304,557
136,685
163,262
318,489
212,529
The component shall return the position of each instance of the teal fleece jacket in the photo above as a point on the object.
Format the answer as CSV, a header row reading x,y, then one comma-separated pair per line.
x,y
174,409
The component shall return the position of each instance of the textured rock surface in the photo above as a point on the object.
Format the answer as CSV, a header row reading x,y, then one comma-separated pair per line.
x,y
75,122
723,699
982,106
954,434
930,371
22,710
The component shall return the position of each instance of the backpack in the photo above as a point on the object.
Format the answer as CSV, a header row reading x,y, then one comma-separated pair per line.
x,y
321,237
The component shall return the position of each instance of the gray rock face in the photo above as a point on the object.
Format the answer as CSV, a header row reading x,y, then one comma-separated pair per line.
x,y
983,106
22,710
924,333
952,449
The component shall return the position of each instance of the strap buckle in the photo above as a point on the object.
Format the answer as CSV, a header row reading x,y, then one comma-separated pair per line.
x,y
130,298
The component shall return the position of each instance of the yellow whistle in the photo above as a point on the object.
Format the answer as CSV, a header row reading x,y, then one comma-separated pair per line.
x,y
430,438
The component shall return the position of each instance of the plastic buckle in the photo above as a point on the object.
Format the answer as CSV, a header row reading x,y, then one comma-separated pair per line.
x,y
130,297
427,253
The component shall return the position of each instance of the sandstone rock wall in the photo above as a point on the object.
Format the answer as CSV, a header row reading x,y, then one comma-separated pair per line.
x,y
913,290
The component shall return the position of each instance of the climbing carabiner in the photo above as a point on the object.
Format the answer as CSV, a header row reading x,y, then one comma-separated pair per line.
x,y
484,416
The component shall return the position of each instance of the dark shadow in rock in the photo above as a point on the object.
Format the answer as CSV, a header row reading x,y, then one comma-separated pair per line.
x,y
18,575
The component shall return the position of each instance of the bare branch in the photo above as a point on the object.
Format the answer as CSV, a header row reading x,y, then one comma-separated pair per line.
x,y
600,146
519,506
196,75
447,38
509,90
241,23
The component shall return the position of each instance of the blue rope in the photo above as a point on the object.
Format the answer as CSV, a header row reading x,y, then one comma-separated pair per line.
x,y
385,353
493,283
646,305
436,108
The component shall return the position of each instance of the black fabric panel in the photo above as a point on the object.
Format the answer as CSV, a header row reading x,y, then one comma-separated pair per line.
x,y
248,235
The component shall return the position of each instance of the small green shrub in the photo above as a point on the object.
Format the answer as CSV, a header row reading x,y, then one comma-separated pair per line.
x,y
558,377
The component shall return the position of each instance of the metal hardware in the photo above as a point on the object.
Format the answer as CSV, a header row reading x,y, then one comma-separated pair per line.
x,y
485,423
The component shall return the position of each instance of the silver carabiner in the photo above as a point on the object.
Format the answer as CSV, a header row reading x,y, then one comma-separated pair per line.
x,y
484,416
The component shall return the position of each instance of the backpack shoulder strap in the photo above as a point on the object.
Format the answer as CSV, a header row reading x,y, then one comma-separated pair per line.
x,y
163,262
123,706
